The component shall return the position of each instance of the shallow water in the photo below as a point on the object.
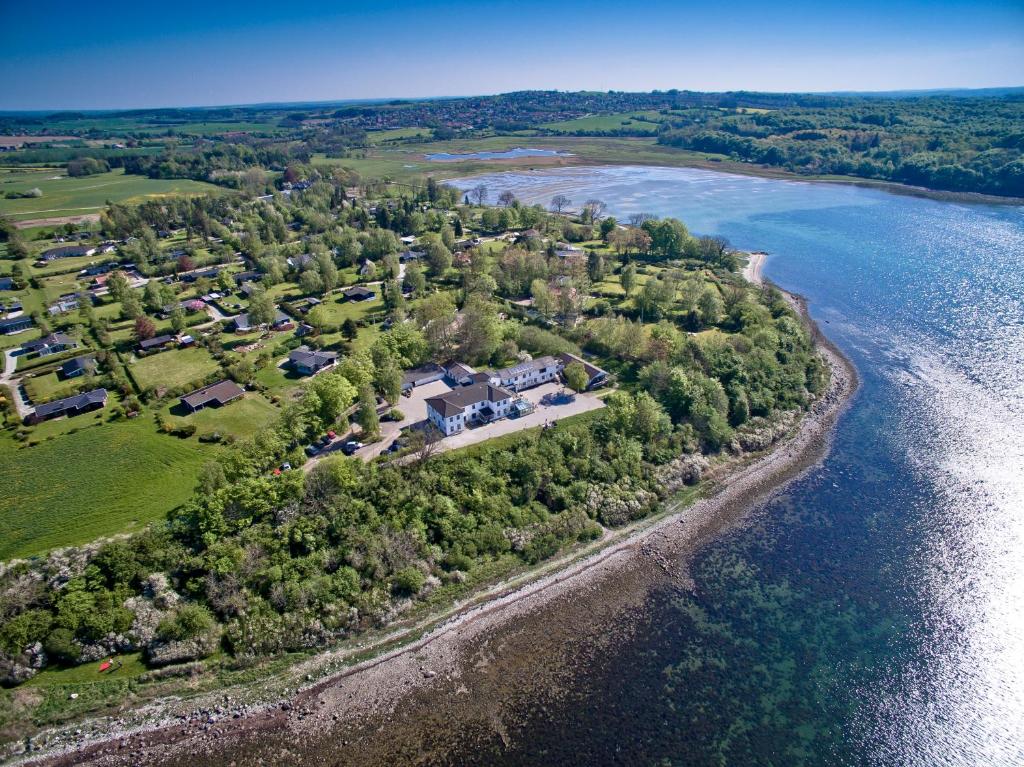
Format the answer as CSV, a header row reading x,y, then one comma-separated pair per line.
x,y
508,154
874,612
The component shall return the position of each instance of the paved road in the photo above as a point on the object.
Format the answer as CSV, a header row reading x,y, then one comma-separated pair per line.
x,y
13,382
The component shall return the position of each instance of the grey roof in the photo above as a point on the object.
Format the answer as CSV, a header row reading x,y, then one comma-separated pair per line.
x,y
424,371
66,251
358,292
78,363
74,402
150,343
592,371
312,358
459,369
25,321
219,393
526,367
6,283
457,400
54,339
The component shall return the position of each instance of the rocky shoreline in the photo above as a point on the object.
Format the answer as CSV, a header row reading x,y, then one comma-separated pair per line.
x,y
515,643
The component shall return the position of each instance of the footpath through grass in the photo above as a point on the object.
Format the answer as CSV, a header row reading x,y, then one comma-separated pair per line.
x,y
97,482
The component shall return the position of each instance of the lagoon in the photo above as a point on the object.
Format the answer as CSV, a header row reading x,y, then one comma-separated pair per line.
x,y
508,154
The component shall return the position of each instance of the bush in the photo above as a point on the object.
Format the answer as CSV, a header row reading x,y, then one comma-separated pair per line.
x,y
408,581
60,644
396,414
190,622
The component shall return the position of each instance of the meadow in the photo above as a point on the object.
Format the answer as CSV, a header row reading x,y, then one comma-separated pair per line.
x,y
66,196
173,368
75,488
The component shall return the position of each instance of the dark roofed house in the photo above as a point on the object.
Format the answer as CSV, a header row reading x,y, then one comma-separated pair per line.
x,y
595,375
358,293
307,362
69,406
250,276
411,255
479,403
78,366
15,325
459,373
156,342
422,375
51,344
243,324
214,395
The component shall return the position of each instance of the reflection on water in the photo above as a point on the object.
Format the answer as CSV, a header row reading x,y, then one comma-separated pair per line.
x,y
874,613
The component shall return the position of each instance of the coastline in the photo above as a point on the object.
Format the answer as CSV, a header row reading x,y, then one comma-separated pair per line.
x,y
356,702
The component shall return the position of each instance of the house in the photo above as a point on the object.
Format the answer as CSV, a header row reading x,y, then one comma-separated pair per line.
x,y
156,343
69,406
367,268
51,344
359,293
299,261
422,375
209,274
6,283
66,251
479,403
459,373
408,239
243,277
64,304
411,255
528,374
77,367
307,362
596,376
214,395
249,288
94,269
281,322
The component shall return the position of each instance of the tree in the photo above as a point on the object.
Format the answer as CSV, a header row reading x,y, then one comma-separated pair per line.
x,y
366,415
118,285
479,194
627,278
185,264
438,256
152,297
435,314
593,210
559,203
608,226
349,329
261,308
415,280
576,377
506,199
310,282
144,328
131,306
178,321
317,317
543,301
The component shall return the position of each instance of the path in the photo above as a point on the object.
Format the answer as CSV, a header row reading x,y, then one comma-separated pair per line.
x,y
8,379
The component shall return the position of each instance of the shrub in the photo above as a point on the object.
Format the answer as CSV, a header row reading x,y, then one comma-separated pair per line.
x,y
408,581
396,414
189,622
60,644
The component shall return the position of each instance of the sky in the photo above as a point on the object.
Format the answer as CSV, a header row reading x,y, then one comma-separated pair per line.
x,y
75,55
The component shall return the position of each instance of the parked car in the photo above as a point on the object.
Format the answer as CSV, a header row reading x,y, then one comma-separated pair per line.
x,y
332,435
312,450
286,466
324,441
394,447
351,446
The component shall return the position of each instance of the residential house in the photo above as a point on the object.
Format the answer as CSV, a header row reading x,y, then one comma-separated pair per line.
x,y
307,362
408,239
78,366
411,255
422,375
15,325
459,374
527,374
243,277
66,251
281,322
210,274
359,293
367,268
300,261
596,376
64,304
94,269
156,343
479,403
51,344
214,395
70,406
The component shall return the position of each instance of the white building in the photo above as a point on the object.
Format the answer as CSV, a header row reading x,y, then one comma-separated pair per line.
x,y
479,403
526,375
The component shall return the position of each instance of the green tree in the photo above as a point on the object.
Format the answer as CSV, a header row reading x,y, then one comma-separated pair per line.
x,y
576,377
366,415
627,278
261,308
349,329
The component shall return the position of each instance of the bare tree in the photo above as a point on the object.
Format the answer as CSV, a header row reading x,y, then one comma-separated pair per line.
x,y
479,194
559,203
638,219
595,209
506,199
426,442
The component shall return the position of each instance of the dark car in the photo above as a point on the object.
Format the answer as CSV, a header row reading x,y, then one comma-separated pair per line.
x,y
394,447
351,446
324,441
312,450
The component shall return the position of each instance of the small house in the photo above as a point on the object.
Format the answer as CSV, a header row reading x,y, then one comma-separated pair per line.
x,y
70,406
51,344
422,375
214,395
596,377
78,366
156,343
6,283
308,362
359,293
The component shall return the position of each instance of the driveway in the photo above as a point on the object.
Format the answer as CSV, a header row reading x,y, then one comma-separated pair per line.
x,y
13,382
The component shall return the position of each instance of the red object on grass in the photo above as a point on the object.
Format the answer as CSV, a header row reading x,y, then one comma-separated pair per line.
x,y
105,665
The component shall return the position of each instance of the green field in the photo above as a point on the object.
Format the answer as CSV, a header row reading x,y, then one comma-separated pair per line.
x,y
395,134
173,368
97,482
65,196
241,418
610,123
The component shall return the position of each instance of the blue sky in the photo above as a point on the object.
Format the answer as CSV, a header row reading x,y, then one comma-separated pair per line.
x,y
114,54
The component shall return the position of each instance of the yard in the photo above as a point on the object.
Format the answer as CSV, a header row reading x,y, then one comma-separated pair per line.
x,y
43,388
173,369
239,419
100,481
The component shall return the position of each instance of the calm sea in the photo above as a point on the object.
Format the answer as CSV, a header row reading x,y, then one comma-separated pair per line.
x,y
874,612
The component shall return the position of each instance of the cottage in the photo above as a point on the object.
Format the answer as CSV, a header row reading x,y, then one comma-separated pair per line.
x,y
78,366
421,376
63,305
156,343
94,269
411,255
528,374
459,373
67,251
243,277
359,293
408,239
479,403
595,375
70,406
243,324
51,344
209,274
214,395
308,362
367,268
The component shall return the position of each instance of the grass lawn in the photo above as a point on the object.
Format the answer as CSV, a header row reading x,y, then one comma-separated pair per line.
x,y
394,134
336,312
66,196
47,387
100,481
609,123
241,418
173,368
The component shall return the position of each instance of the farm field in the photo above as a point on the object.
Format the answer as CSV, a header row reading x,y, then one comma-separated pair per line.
x,y
66,196
100,481
610,122
173,368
